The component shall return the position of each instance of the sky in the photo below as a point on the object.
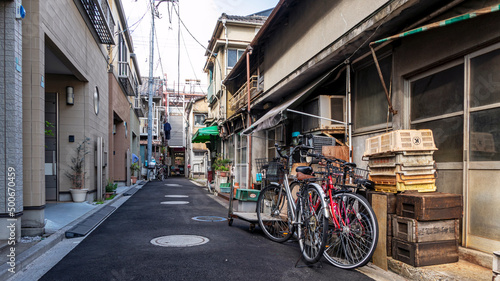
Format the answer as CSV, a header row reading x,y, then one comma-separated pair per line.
x,y
200,18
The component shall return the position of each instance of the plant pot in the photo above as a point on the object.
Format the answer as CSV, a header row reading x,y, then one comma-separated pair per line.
x,y
107,195
133,179
223,174
79,195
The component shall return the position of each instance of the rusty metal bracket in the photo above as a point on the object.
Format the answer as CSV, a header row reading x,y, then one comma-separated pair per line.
x,y
391,109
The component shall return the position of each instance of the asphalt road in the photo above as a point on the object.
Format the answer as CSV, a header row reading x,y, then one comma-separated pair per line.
x,y
121,249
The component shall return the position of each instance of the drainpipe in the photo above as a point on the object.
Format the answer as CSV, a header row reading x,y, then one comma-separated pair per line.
x,y
249,121
349,113
225,75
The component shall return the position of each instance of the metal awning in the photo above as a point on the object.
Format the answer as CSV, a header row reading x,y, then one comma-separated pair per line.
x,y
203,134
274,116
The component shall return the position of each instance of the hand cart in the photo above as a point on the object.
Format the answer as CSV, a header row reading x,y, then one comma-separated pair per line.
x,y
250,217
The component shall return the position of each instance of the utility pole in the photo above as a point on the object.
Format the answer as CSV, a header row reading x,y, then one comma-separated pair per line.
x,y
150,90
150,85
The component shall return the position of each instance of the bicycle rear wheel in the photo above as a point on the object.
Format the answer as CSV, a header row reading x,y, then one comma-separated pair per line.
x,y
352,244
273,213
313,226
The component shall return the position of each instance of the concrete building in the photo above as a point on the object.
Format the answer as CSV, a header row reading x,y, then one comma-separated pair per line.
x,y
58,72
11,117
443,78
197,153
229,40
125,105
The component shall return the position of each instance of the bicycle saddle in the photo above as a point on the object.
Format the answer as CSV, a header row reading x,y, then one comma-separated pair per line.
x,y
350,164
304,170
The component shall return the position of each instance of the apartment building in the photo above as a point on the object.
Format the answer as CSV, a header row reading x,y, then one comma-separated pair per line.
x,y
67,86
230,38
441,73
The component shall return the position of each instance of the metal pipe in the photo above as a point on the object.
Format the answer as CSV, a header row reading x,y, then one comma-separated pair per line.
x,y
387,96
249,121
150,92
349,111
316,116
487,10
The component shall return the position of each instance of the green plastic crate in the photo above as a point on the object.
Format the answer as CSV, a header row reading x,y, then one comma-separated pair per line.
x,y
247,194
225,187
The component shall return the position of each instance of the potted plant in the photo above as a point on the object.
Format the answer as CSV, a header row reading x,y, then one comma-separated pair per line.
x,y
221,166
77,174
110,189
133,169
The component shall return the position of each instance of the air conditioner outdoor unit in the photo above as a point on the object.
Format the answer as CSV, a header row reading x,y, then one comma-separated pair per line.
x,y
331,107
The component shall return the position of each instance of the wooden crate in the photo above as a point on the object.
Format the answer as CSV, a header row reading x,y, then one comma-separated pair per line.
x,y
425,253
411,230
389,245
400,140
429,206
339,152
391,201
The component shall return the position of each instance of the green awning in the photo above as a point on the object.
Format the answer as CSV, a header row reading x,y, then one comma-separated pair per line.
x,y
203,134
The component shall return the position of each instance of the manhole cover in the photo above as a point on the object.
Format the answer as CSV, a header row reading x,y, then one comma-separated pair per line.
x,y
209,218
172,184
179,241
176,196
174,202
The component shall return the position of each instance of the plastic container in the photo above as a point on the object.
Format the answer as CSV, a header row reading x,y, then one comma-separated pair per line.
x,y
407,180
247,194
404,159
400,140
399,169
428,187
225,187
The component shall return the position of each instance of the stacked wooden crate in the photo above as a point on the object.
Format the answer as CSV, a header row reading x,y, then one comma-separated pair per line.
x,y
425,229
391,213
402,160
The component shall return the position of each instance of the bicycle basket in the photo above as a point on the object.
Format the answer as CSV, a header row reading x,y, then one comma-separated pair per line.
x,y
358,173
275,171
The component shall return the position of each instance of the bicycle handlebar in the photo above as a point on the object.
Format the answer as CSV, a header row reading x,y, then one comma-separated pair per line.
x,y
300,147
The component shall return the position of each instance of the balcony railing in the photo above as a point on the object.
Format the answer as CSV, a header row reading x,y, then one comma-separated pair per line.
x,y
240,98
127,79
139,110
99,15
144,127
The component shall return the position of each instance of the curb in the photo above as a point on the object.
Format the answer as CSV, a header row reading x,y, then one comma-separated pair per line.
x,y
28,256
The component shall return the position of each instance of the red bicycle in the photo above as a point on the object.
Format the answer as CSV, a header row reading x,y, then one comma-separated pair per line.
x,y
353,228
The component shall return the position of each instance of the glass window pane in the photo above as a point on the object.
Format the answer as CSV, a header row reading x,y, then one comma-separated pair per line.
x,y
232,57
370,101
429,94
484,136
271,140
448,136
485,79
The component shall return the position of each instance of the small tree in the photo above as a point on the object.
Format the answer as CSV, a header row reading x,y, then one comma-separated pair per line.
x,y
77,174
134,168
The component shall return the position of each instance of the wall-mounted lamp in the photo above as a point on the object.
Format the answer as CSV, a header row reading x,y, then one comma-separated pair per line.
x,y
70,96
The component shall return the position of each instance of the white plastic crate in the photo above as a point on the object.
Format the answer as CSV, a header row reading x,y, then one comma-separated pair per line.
x,y
400,140
401,159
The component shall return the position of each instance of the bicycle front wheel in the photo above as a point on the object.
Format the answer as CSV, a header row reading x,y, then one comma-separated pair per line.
x,y
313,225
273,213
353,232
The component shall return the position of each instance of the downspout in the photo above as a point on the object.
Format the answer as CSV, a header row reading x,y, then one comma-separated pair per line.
x,y
349,111
249,120
225,75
